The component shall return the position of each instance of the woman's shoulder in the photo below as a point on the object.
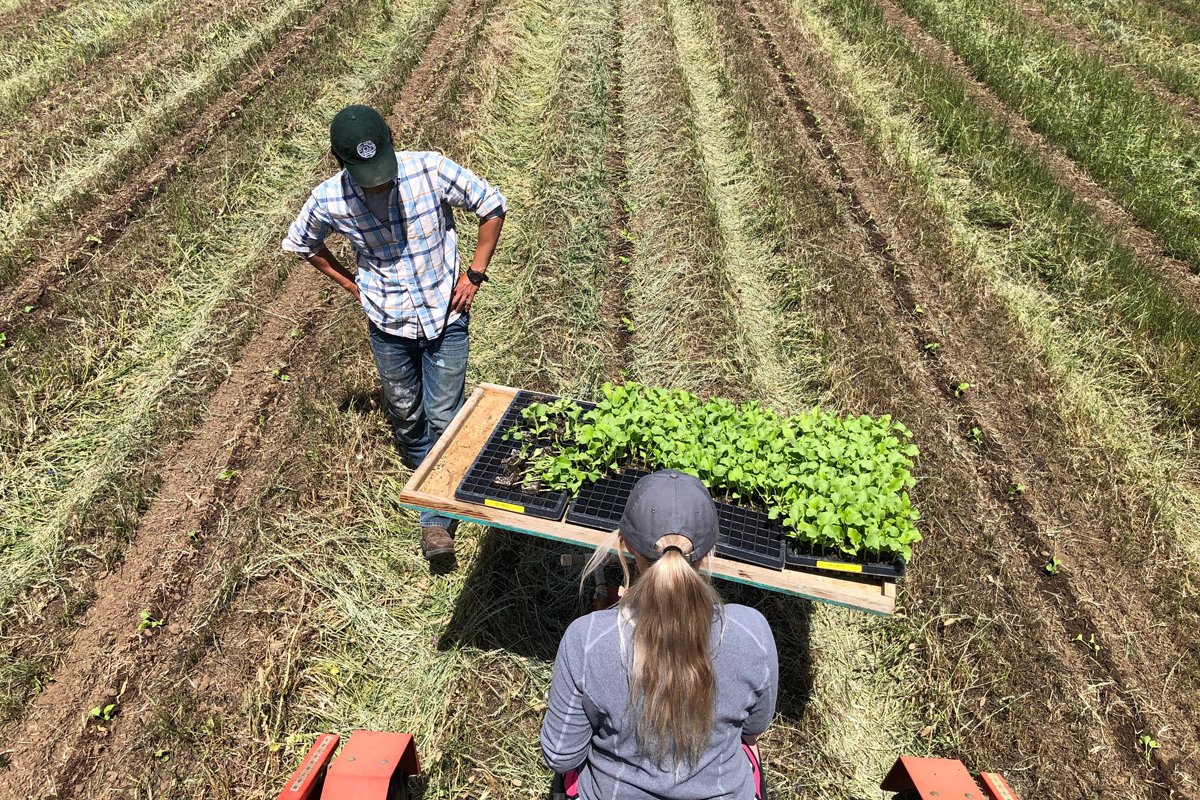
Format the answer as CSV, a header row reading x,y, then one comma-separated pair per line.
x,y
590,628
747,622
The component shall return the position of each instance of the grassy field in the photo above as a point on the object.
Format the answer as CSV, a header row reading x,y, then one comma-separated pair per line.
x,y
859,204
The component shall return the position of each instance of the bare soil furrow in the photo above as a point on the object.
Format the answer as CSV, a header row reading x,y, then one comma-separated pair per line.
x,y
46,51
175,548
1066,171
620,251
1184,8
911,282
89,101
62,253
166,570
20,13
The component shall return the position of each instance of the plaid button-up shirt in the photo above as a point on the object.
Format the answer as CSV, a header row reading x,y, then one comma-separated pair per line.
x,y
407,267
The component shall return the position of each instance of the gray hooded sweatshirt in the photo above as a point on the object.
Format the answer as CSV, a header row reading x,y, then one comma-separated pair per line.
x,y
587,725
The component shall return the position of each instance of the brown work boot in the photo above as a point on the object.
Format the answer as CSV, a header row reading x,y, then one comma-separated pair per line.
x,y
436,542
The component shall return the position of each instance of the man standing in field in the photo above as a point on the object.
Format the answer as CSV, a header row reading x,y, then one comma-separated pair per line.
x,y
395,208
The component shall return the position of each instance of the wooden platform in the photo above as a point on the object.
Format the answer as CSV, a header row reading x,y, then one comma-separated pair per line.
x,y
432,487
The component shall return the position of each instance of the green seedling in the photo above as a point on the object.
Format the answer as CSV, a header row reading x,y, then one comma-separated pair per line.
x,y
837,483
195,536
1090,643
1148,744
1052,566
931,347
294,333
94,239
917,309
282,376
28,309
3,339
1015,491
162,755
148,622
627,323
961,389
227,474
104,713
976,436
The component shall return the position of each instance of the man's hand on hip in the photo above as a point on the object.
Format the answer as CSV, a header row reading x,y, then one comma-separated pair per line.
x,y
328,264
464,294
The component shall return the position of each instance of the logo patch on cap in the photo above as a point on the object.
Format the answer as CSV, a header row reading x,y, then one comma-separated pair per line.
x,y
366,149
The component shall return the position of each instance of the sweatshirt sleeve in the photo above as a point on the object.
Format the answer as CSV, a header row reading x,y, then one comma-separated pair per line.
x,y
763,708
566,731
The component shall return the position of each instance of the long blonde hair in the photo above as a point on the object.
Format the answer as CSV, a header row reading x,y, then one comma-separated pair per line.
x,y
672,684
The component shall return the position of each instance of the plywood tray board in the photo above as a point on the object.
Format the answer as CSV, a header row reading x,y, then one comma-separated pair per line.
x,y
432,487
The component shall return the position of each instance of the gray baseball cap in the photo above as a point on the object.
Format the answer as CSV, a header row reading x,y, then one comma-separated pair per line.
x,y
667,502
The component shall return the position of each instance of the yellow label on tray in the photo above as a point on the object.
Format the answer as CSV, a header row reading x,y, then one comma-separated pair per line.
x,y
840,566
490,503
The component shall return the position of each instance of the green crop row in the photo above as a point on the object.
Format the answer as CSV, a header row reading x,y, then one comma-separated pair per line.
x,y
1156,41
1142,150
835,482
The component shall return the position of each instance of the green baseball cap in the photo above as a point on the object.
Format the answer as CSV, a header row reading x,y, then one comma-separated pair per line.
x,y
361,139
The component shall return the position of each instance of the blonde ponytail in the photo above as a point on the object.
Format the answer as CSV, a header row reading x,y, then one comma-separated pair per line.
x,y
672,684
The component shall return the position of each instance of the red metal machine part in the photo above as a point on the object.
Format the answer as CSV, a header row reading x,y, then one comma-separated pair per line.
x,y
943,779
371,766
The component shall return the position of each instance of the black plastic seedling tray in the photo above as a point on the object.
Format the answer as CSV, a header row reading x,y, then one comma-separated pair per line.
x,y
750,536
479,484
836,562
746,535
600,504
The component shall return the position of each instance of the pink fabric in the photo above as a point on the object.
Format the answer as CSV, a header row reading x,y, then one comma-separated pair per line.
x,y
754,767
571,783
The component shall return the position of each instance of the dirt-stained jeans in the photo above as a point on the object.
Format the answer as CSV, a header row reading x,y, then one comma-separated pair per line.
x,y
423,384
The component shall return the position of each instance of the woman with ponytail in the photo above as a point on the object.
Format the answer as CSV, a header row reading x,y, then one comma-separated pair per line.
x,y
664,695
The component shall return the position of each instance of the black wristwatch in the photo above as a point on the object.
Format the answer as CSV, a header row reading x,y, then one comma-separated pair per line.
x,y
476,277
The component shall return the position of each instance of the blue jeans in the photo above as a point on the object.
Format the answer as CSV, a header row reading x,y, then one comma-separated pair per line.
x,y
423,384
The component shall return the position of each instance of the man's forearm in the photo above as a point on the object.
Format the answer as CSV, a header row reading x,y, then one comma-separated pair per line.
x,y
485,246
327,263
